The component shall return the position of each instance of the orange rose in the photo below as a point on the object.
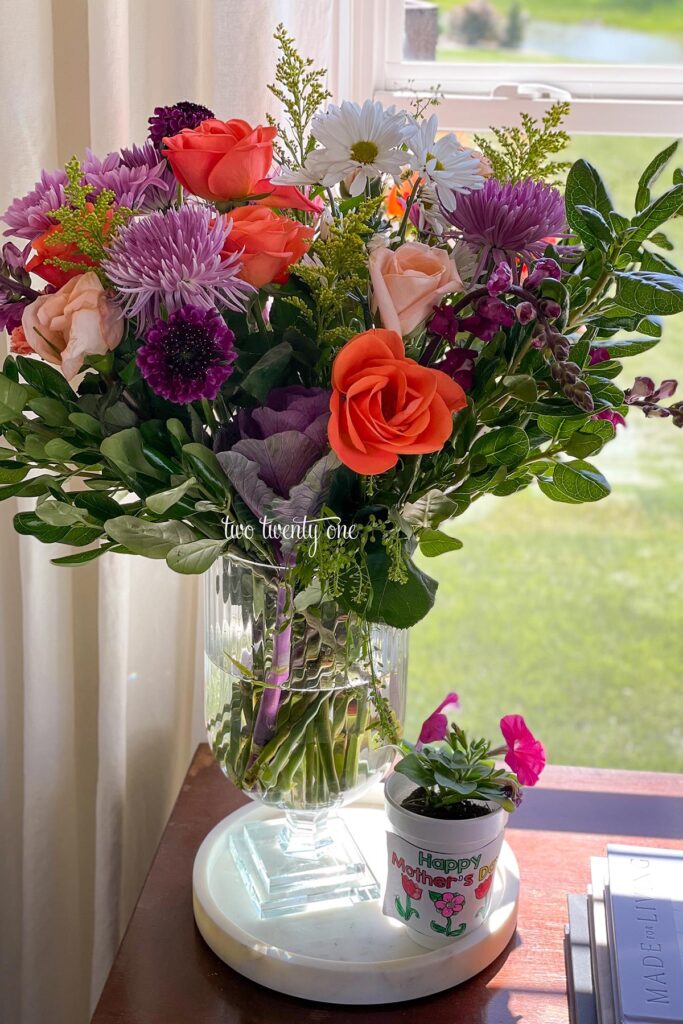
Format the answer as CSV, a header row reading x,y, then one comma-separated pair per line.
x,y
408,282
268,242
221,160
47,246
398,196
18,343
384,405
75,322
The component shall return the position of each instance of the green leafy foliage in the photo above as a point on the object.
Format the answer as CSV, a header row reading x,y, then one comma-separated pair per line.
x,y
300,88
527,151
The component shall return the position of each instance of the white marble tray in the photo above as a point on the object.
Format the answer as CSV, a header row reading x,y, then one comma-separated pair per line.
x,y
348,955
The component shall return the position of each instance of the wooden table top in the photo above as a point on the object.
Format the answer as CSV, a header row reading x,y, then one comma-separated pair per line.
x,y
165,974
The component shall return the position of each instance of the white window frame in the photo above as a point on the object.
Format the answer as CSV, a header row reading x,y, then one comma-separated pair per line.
x,y
606,99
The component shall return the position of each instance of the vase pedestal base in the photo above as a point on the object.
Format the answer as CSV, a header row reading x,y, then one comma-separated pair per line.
x,y
285,878
349,954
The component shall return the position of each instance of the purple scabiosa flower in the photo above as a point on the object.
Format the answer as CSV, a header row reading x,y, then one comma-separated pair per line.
x,y
16,292
458,363
28,216
509,220
168,121
139,177
171,259
188,356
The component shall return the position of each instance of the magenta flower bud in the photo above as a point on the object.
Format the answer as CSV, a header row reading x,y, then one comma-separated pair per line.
x,y
444,323
597,355
615,418
459,365
435,727
542,269
500,280
499,312
525,312
550,308
667,388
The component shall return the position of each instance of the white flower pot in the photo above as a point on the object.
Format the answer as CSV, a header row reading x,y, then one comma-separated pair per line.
x,y
440,873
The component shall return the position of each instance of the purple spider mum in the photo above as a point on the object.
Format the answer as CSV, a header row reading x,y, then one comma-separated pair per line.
x,y
172,259
168,121
188,356
509,220
28,216
139,178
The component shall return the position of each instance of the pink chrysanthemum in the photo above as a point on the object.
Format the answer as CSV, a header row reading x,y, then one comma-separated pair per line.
x,y
511,219
168,260
139,178
28,216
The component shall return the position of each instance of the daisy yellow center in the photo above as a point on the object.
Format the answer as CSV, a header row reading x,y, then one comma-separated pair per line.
x,y
364,152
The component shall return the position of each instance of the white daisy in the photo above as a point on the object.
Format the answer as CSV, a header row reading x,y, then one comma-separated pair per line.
x,y
363,142
446,164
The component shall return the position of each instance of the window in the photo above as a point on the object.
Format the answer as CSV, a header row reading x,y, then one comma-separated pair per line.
x,y
620,63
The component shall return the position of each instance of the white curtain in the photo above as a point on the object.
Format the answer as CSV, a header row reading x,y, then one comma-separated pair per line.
x,y
100,666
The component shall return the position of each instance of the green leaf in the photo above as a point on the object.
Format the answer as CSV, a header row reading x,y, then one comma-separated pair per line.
x,y
502,446
624,347
598,227
650,175
141,537
661,240
434,542
415,769
163,500
118,416
268,371
660,210
396,604
60,450
12,472
585,188
521,386
86,423
646,292
51,410
196,557
28,524
32,488
124,451
574,483
99,506
80,557
13,398
434,508
206,468
61,513
45,379
512,486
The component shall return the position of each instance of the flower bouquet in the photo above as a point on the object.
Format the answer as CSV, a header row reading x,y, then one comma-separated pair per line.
x,y
285,355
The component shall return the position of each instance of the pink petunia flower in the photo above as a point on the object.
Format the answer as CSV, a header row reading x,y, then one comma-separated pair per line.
x,y
525,754
435,727
450,903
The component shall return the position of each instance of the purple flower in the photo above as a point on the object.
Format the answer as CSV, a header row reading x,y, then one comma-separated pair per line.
x,y
543,268
496,310
168,121
525,312
188,356
444,323
435,726
458,363
615,418
15,286
500,280
511,219
173,259
598,355
27,216
139,177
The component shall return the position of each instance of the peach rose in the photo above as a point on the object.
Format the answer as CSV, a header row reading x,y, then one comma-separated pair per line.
x,y
408,282
75,322
221,160
384,405
268,242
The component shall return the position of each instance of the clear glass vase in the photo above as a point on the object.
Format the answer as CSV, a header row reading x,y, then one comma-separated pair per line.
x,y
303,704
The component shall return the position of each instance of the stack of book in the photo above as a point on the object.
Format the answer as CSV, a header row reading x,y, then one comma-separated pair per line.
x,y
624,941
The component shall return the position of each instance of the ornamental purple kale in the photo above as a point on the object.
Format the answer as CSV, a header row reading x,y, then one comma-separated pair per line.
x,y
280,464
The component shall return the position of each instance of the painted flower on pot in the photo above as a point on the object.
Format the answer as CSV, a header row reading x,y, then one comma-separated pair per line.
x,y
448,904
413,892
482,889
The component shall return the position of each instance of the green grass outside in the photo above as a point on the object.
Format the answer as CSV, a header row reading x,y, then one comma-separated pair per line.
x,y
573,615
658,16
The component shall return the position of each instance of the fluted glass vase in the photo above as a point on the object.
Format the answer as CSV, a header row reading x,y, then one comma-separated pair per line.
x,y
304,706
